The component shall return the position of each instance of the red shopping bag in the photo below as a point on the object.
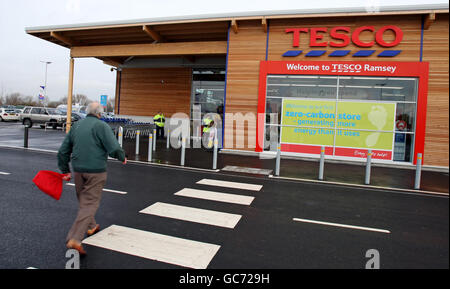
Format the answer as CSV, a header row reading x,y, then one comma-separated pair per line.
x,y
50,183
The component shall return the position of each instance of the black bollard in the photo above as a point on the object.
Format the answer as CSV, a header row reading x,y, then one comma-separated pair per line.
x,y
25,137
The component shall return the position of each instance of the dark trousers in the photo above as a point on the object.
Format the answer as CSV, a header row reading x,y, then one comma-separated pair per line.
x,y
159,132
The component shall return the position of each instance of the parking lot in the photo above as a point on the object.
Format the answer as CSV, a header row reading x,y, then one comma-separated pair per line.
x,y
12,134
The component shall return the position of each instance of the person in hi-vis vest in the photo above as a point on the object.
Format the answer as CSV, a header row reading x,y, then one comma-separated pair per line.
x,y
159,121
206,123
212,134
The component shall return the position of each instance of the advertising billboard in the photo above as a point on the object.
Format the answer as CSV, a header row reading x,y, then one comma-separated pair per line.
x,y
349,127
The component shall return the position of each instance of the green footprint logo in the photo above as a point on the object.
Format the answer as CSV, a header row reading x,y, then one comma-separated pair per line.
x,y
378,118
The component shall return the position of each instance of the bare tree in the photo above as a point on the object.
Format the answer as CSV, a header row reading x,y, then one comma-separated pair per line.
x,y
110,104
80,99
63,100
13,99
28,101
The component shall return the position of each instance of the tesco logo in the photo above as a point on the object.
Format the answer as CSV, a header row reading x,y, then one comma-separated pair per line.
x,y
342,35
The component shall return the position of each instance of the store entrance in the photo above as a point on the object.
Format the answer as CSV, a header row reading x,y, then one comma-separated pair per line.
x,y
207,98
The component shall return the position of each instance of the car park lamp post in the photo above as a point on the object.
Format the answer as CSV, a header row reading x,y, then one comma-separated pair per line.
x,y
45,81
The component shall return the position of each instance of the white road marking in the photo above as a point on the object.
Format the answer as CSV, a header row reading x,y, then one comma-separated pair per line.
x,y
342,225
173,250
215,196
105,190
193,215
4,173
247,170
234,185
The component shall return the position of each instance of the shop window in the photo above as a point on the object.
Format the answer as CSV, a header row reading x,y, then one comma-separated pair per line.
x,y
390,104
378,88
302,86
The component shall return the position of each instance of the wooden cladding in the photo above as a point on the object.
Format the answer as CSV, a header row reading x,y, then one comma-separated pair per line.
x,y
246,49
435,51
145,91
156,49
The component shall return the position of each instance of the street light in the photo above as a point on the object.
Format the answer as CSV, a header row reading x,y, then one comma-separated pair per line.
x,y
45,84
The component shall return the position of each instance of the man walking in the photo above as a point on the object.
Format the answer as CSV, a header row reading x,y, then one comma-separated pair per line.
x,y
88,144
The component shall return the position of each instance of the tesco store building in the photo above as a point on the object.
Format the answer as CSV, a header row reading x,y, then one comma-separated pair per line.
x,y
349,81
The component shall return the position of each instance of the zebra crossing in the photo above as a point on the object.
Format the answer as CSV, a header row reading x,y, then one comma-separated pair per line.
x,y
171,249
193,215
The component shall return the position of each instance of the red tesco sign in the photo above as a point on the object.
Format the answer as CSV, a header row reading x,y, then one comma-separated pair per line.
x,y
342,33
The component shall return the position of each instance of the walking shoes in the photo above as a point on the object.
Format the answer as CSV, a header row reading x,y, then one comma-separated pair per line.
x,y
72,244
94,230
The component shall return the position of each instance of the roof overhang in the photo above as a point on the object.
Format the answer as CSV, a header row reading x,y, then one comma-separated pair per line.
x,y
115,41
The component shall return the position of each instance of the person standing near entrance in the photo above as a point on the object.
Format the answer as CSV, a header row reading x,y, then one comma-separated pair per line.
x,y
87,145
206,124
159,121
212,134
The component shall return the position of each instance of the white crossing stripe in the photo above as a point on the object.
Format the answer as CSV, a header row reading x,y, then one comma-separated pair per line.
x,y
215,196
149,245
193,215
342,225
234,185
247,170
4,173
105,190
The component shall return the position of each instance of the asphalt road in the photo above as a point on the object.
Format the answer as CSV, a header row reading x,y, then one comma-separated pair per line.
x,y
34,226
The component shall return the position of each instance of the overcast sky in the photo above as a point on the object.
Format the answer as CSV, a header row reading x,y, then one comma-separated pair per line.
x,y
20,54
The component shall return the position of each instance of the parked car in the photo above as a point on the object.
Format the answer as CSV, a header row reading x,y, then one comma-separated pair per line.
x,y
42,116
7,114
76,116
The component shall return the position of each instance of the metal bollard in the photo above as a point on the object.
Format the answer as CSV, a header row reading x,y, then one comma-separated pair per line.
x,y
120,138
322,161
154,139
368,167
150,143
25,137
168,139
216,144
138,133
183,147
418,171
277,162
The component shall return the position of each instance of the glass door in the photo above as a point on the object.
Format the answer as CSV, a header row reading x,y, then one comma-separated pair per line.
x,y
208,91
